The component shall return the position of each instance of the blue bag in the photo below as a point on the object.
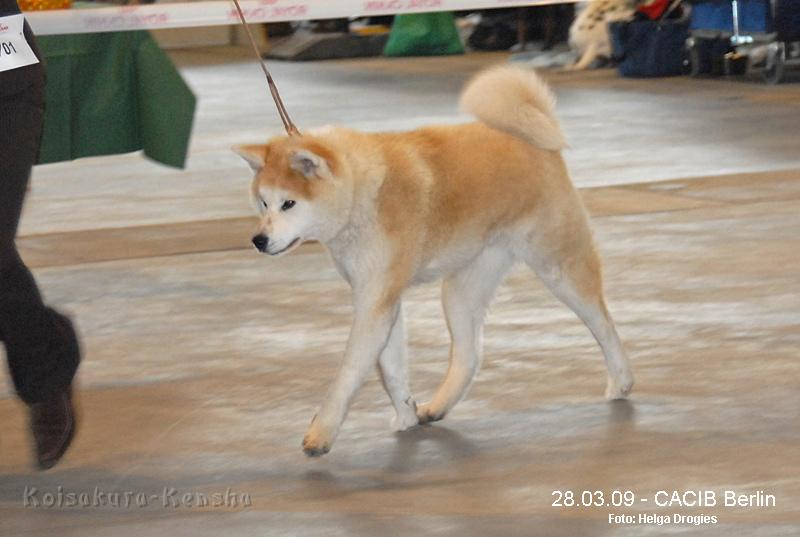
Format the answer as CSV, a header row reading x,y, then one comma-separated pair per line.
x,y
646,48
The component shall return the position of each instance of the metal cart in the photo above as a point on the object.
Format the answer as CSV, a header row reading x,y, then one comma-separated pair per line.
x,y
756,37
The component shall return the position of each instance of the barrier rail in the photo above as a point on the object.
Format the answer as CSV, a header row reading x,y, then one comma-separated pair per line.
x,y
222,13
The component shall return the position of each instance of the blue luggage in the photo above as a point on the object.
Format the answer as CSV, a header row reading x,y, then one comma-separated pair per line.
x,y
646,48
754,16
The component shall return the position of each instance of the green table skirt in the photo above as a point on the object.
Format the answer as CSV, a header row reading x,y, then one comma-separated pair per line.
x,y
112,93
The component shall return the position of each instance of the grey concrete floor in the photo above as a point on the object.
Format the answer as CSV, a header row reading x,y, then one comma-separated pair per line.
x,y
195,382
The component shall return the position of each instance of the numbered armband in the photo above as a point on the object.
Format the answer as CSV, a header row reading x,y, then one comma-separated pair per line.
x,y
15,51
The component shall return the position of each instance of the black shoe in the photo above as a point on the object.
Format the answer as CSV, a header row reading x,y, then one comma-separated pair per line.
x,y
53,426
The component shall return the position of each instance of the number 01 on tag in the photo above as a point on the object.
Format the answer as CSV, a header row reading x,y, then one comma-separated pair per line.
x,y
14,49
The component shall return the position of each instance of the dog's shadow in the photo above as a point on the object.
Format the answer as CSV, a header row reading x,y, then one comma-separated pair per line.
x,y
622,418
447,443
435,445
414,450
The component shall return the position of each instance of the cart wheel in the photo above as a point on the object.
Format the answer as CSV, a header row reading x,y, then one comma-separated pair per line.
x,y
776,61
734,64
699,60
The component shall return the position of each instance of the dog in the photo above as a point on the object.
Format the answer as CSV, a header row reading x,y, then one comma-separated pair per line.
x,y
458,203
588,35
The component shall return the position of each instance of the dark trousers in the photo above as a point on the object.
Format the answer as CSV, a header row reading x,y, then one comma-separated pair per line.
x,y
40,343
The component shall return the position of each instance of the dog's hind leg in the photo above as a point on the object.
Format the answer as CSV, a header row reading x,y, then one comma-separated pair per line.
x,y
465,297
573,274
393,369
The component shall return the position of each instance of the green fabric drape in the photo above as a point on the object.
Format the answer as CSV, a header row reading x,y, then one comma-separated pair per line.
x,y
110,93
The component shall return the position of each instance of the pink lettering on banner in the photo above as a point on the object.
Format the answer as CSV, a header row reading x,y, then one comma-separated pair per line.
x,y
295,11
417,4
298,10
253,12
257,13
157,19
123,22
401,5
383,5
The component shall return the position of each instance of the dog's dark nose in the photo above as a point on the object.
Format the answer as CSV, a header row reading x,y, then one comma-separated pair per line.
x,y
260,242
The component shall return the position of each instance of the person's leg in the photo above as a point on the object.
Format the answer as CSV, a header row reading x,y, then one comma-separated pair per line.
x,y
41,344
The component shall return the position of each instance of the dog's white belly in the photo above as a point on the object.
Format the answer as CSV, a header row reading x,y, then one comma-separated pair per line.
x,y
448,262
430,273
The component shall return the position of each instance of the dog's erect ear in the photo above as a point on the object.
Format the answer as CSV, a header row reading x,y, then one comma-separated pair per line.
x,y
309,164
255,155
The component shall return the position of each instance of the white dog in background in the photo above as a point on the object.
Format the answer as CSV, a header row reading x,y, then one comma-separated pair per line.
x,y
460,203
588,35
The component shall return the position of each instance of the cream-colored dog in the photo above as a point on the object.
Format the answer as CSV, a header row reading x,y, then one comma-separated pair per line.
x,y
459,203
589,36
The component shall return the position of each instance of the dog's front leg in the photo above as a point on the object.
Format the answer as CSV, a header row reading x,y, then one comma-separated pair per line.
x,y
586,59
372,324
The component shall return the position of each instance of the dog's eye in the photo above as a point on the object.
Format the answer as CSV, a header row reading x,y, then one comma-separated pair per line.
x,y
264,204
288,204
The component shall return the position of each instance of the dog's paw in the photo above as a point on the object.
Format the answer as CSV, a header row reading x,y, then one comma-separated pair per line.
x,y
406,418
427,414
318,440
619,388
312,449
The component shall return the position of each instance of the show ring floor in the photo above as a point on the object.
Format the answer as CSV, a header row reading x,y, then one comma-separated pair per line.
x,y
205,362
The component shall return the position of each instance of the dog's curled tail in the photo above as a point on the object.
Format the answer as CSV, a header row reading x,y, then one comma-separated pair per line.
x,y
515,101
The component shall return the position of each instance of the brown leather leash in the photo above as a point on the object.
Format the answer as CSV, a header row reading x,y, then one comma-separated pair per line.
x,y
290,127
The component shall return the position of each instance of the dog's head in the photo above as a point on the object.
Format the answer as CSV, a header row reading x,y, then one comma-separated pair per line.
x,y
298,192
